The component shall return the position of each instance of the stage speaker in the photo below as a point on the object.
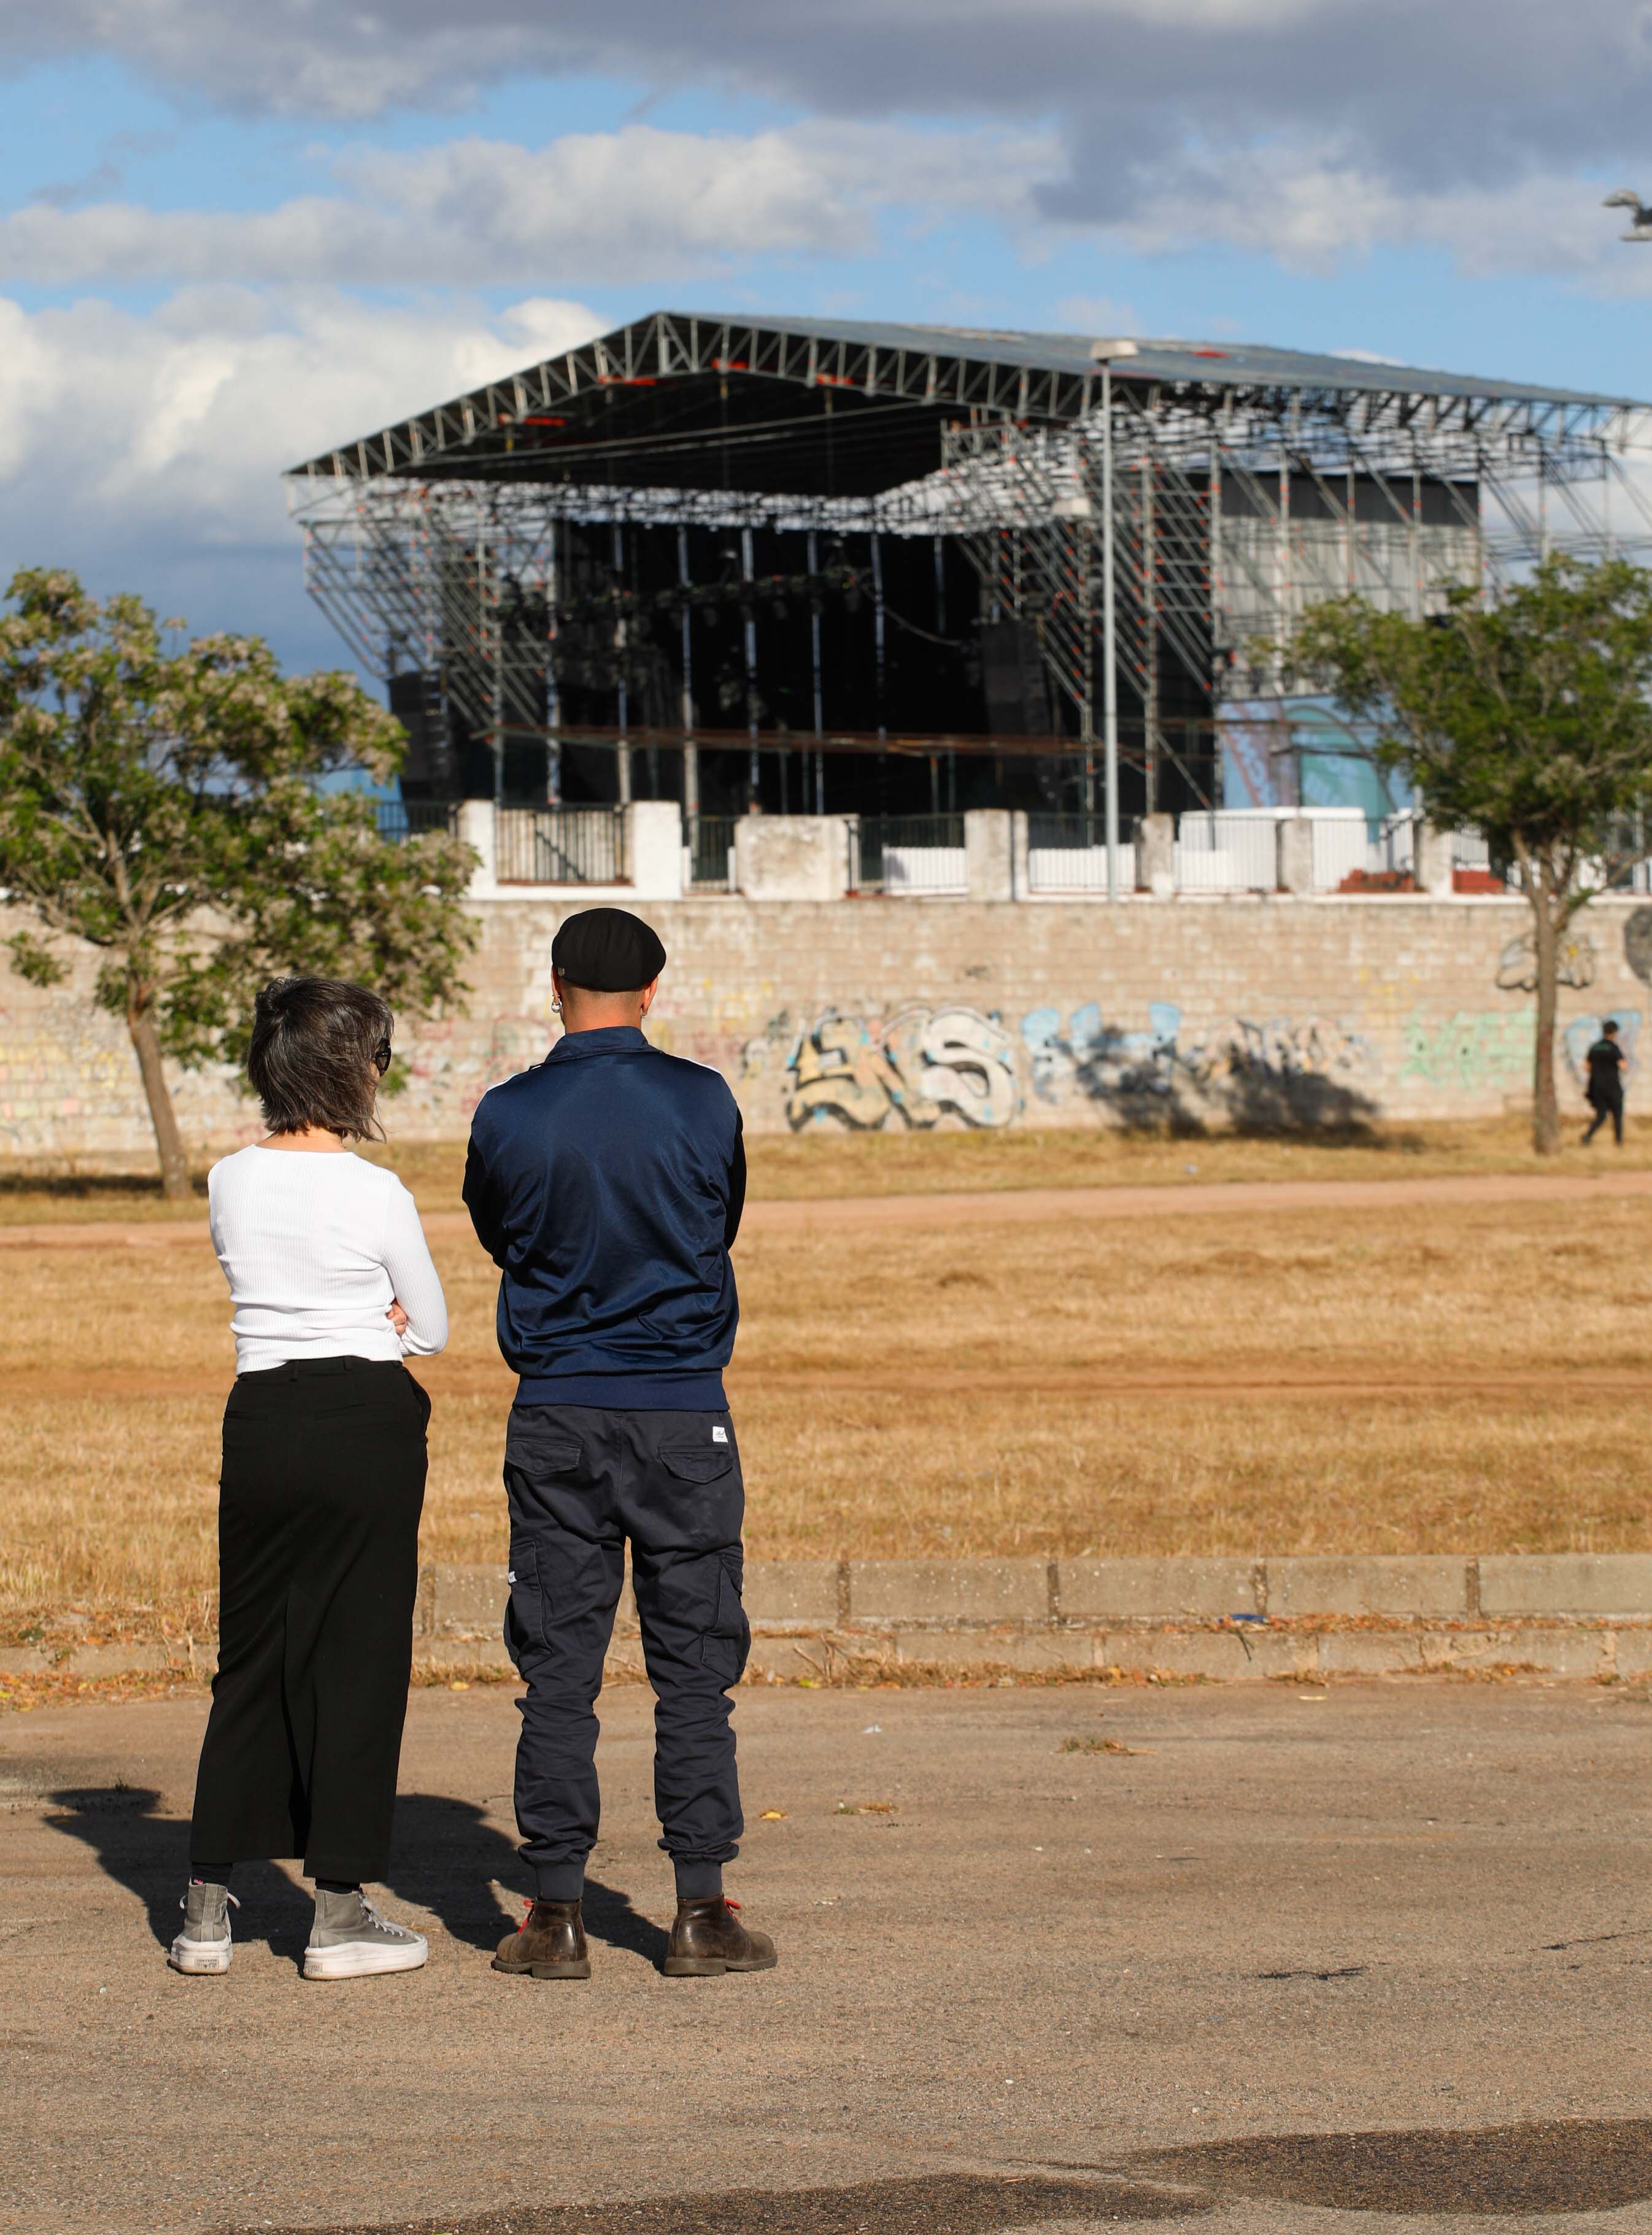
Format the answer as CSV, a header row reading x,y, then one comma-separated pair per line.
x,y
1014,681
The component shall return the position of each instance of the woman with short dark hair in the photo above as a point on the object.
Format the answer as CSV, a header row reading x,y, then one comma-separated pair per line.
x,y
320,1491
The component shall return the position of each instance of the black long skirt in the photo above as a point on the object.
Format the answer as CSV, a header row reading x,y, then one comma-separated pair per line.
x,y
318,1561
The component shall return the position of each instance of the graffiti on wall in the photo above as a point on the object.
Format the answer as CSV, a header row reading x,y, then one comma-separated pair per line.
x,y
920,1066
1471,1048
1582,1033
1517,967
1281,1070
1637,943
917,1065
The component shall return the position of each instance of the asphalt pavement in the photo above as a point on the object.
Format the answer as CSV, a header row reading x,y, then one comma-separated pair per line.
x,y
1248,1961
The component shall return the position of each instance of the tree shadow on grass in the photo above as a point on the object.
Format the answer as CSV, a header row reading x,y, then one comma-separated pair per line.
x,y
117,1191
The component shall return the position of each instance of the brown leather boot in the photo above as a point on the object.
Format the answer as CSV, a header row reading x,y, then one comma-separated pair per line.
x,y
548,1943
708,1937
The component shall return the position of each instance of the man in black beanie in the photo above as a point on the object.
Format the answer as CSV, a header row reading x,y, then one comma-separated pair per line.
x,y
607,1185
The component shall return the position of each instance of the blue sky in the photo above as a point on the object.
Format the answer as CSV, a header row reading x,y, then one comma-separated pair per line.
x,y
230,235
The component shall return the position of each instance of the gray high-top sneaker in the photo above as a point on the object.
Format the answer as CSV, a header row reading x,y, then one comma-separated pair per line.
x,y
350,1940
204,1945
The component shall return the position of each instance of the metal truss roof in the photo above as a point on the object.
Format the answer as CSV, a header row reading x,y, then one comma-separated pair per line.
x,y
839,408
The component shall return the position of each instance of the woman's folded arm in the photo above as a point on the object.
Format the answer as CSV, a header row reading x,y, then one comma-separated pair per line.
x,y
407,1259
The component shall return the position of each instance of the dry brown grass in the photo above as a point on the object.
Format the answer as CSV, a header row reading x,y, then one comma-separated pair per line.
x,y
788,1167
1465,1379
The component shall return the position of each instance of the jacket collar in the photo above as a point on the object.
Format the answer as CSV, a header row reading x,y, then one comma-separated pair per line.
x,y
606,1040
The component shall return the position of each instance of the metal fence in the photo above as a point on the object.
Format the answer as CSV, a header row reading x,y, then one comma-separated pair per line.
x,y
1069,854
411,818
560,846
916,854
709,853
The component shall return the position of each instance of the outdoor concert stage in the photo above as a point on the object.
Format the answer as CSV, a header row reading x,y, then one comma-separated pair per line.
x,y
827,566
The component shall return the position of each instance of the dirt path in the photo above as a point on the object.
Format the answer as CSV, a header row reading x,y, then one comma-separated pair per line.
x,y
1007,1206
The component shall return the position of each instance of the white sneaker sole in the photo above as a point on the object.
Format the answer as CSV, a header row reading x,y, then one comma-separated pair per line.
x,y
359,1959
199,1959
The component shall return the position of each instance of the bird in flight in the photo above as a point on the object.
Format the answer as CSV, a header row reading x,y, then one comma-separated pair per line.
x,y
1641,223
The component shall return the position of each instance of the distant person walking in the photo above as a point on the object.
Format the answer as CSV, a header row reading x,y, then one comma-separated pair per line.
x,y
1605,1092
607,1185
322,1486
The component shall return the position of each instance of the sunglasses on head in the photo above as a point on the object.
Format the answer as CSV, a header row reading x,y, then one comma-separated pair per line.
x,y
382,1056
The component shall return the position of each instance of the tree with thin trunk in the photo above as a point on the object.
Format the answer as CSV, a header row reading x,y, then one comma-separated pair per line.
x,y
167,807
1525,715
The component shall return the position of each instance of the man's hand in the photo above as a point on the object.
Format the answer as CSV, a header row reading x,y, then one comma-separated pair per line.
x,y
397,1317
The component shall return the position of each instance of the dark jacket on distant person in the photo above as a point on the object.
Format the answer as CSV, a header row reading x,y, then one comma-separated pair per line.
x,y
607,1185
1605,1073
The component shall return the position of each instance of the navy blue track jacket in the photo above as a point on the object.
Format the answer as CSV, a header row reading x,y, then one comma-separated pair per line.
x,y
607,1185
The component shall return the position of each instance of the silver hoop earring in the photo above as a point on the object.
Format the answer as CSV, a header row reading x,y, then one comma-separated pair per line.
x,y
556,1008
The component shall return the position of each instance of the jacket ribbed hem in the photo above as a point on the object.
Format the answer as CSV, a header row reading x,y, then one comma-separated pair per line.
x,y
626,1393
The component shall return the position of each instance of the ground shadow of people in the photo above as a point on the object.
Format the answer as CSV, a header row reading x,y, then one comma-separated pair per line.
x,y
149,1855
449,1860
609,1916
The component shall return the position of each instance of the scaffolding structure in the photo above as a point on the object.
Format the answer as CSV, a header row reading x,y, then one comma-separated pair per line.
x,y
1154,516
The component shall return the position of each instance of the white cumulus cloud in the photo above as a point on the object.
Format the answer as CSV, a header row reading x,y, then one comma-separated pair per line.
x,y
635,205
147,451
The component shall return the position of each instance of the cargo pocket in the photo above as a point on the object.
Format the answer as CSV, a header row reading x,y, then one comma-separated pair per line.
x,y
727,1642
698,1597
524,1608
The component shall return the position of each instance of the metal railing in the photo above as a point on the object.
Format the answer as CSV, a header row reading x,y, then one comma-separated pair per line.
x,y
411,818
1069,854
560,846
709,853
915,855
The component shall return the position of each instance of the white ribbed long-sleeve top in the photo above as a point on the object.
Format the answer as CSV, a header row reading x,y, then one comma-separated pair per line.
x,y
314,1244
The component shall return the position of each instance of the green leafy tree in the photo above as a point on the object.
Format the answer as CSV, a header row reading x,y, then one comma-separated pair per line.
x,y
1526,716
164,807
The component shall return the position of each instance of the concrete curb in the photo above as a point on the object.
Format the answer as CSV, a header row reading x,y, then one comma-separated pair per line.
x,y
1578,1615
874,1595
1571,1614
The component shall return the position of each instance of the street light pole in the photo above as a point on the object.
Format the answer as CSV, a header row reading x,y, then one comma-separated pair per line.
x,y
1109,648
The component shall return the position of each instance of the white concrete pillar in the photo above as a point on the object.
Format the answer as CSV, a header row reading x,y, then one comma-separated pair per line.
x,y
476,828
989,849
1156,856
1431,858
654,848
1021,875
1294,854
792,858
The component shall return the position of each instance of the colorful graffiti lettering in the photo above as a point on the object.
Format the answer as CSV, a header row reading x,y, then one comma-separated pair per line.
x,y
1470,1048
918,1065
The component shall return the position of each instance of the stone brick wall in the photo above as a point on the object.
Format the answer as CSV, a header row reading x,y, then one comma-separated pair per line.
x,y
902,1012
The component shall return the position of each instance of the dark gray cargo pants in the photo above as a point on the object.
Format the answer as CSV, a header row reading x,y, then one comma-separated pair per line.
x,y
581,1483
